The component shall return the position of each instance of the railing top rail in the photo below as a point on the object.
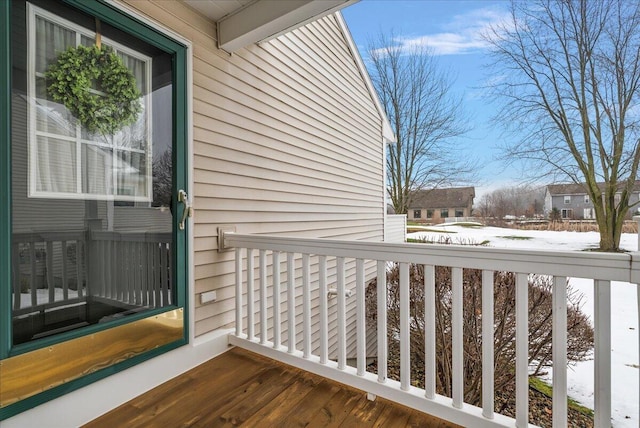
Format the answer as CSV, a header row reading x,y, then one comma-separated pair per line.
x,y
579,264
131,236
69,235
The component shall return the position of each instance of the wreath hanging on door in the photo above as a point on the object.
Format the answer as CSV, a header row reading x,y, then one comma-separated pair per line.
x,y
96,87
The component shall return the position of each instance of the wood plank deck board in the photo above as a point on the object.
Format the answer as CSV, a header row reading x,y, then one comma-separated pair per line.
x,y
240,388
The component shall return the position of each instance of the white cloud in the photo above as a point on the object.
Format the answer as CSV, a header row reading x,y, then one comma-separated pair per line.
x,y
462,35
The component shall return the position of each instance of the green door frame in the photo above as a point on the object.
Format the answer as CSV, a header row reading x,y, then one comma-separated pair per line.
x,y
110,14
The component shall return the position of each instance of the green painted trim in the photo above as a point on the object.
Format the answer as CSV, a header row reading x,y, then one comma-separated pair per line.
x,y
36,400
181,168
112,15
5,176
119,19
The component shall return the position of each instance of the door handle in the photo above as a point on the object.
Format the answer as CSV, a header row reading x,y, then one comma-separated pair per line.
x,y
188,209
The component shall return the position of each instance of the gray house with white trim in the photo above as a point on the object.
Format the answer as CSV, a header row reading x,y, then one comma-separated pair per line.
x,y
573,202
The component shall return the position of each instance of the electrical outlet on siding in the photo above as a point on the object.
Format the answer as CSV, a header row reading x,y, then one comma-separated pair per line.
x,y
208,297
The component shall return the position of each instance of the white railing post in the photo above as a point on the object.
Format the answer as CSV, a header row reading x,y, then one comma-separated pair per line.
x,y
430,331
522,350
238,291
306,307
361,333
291,305
342,315
277,339
263,296
487,345
382,320
250,284
602,354
324,313
405,334
559,347
457,338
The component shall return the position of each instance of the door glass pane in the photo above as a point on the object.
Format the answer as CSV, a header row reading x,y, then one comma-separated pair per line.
x,y
92,222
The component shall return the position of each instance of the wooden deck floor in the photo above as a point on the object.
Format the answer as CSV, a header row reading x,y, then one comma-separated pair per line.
x,y
243,388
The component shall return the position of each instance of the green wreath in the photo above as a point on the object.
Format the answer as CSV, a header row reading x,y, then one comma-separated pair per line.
x,y
80,69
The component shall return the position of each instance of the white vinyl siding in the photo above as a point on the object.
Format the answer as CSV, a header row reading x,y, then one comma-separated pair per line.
x,y
287,140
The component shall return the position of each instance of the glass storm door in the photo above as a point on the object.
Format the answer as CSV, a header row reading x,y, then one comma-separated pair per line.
x,y
95,236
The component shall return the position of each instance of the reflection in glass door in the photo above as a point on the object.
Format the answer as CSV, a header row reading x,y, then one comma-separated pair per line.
x,y
92,216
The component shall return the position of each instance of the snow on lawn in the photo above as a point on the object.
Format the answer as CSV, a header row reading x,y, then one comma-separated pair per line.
x,y
624,339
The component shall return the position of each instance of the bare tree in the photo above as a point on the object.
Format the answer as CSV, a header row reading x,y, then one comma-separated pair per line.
x,y
424,115
568,74
162,179
512,200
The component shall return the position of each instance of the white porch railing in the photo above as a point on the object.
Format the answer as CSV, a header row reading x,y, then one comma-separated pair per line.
x,y
255,332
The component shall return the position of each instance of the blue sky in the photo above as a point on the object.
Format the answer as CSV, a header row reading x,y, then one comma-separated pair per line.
x,y
452,30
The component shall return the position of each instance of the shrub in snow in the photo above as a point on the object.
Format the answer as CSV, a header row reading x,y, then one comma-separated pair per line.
x,y
580,332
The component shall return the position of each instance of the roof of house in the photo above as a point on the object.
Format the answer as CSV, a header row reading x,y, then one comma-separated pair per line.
x,y
576,189
443,198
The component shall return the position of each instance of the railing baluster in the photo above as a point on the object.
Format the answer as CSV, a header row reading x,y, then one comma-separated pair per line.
x,y
361,333
342,315
405,336
238,291
263,296
157,274
522,350
457,362
559,349
140,291
324,316
430,331
306,307
291,305
382,320
166,266
276,300
50,284
250,285
32,283
109,275
16,275
602,354
79,264
65,276
487,345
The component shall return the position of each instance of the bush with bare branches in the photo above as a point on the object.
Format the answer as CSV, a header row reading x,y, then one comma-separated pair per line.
x,y
580,332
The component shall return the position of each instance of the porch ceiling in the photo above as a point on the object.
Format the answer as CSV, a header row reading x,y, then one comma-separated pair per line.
x,y
243,22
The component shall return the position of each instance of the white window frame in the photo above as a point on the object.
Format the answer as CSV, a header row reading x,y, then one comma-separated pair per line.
x,y
567,199
32,13
586,199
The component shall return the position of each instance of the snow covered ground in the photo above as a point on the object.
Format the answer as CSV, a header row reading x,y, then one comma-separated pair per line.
x,y
625,356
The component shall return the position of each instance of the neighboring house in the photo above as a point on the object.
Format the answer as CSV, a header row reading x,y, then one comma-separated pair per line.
x,y
436,205
267,121
573,202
